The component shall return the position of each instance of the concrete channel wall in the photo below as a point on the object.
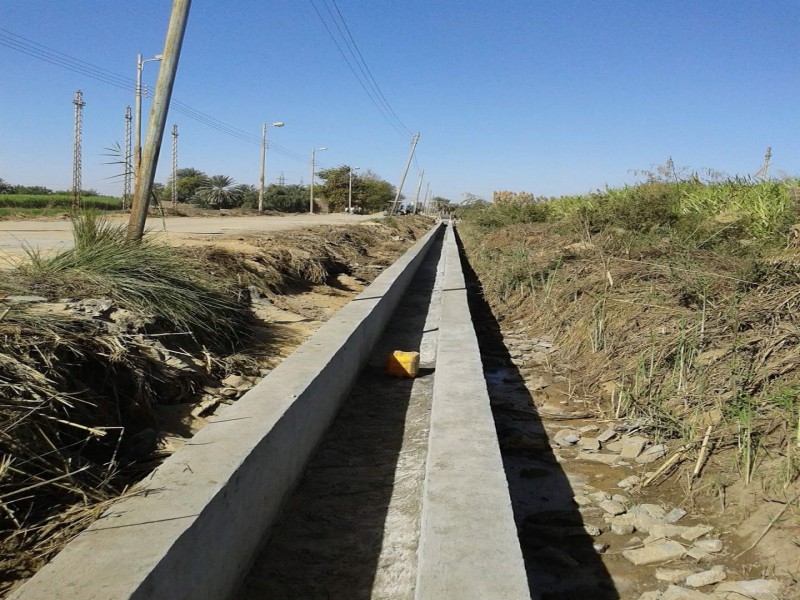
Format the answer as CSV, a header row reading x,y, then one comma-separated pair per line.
x,y
190,530
468,547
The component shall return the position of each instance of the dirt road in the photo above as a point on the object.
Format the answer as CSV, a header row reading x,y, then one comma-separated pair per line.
x,y
49,235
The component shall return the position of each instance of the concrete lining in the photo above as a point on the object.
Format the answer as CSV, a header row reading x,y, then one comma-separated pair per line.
x,y
196,522
468,547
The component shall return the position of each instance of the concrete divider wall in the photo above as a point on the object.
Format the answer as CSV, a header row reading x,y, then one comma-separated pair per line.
x,y
196,522
468,547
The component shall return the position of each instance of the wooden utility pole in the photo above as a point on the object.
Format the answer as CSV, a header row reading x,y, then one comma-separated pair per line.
x,y
158,118
414,141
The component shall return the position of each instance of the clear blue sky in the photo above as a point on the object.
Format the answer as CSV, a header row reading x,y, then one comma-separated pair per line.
x,y
549,97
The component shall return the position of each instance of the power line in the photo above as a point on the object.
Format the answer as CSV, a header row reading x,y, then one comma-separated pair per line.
x,y
59,59
371,95
375,85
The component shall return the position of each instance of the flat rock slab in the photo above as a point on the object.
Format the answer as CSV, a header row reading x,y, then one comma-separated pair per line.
x,y
631,447
704,578
673,575
652,454
675,592
757,589
655,553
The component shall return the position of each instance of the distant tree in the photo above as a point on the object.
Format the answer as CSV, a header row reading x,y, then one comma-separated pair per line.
x,y
5,188
375,194
248,195
34,189
219,192
89,193
468,199
336,186
190,180
286,198
442,205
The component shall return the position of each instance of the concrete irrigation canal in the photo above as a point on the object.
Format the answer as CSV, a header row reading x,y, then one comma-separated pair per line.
x,y
329,479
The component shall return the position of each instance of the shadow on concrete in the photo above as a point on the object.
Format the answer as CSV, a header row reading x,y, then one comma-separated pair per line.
x,y
560,559
328,543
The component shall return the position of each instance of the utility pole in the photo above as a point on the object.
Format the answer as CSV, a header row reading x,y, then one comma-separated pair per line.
x,y
126,184
311,195
414,140
427,196
263,160
77,151
175,167
158,117
419,187
350,190
137,125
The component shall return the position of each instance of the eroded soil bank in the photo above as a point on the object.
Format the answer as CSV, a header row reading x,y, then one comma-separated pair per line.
x,y
95,392
643,401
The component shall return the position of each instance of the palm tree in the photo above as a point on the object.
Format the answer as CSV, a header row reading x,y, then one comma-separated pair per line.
x,y
219,191
248,195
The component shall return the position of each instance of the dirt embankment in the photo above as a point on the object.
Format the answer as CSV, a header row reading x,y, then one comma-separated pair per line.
x,y
694,349
97,388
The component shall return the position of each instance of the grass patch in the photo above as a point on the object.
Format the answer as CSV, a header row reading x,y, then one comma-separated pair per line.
x,y
53,201
144,277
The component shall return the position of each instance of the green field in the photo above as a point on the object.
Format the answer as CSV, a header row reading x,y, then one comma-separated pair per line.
x,y
34,204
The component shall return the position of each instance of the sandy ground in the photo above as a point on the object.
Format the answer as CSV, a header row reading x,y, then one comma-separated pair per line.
x,y
56,235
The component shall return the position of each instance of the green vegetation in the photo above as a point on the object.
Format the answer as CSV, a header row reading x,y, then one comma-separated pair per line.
x,y
701,213
674,301
60,201
144,277
370,192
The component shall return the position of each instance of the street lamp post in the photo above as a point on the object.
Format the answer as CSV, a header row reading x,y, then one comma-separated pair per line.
x,y
137,126
350,190
311,195
263,160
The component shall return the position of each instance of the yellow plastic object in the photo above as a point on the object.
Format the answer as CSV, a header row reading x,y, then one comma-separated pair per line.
x,y
403,364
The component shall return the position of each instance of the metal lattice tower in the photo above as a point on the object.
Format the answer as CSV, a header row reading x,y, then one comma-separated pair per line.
x,y
282,180
175,166
126,186
77,166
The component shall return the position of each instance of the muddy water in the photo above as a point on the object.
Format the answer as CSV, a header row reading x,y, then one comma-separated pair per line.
x,y
351,528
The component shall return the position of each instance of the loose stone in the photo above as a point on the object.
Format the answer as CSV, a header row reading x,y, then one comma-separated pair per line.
x,y
632,447
712,546
698,531
675,592
704,578
655,553
673,575
675,515
612,507
607,435
757,589
622,528
652,454
628,482
566,437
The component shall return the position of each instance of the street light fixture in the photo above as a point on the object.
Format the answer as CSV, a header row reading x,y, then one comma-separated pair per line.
x,y
350,190
263,160
137,127
311,196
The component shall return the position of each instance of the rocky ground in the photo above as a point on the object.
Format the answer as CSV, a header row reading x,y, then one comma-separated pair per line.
x,y
596,493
